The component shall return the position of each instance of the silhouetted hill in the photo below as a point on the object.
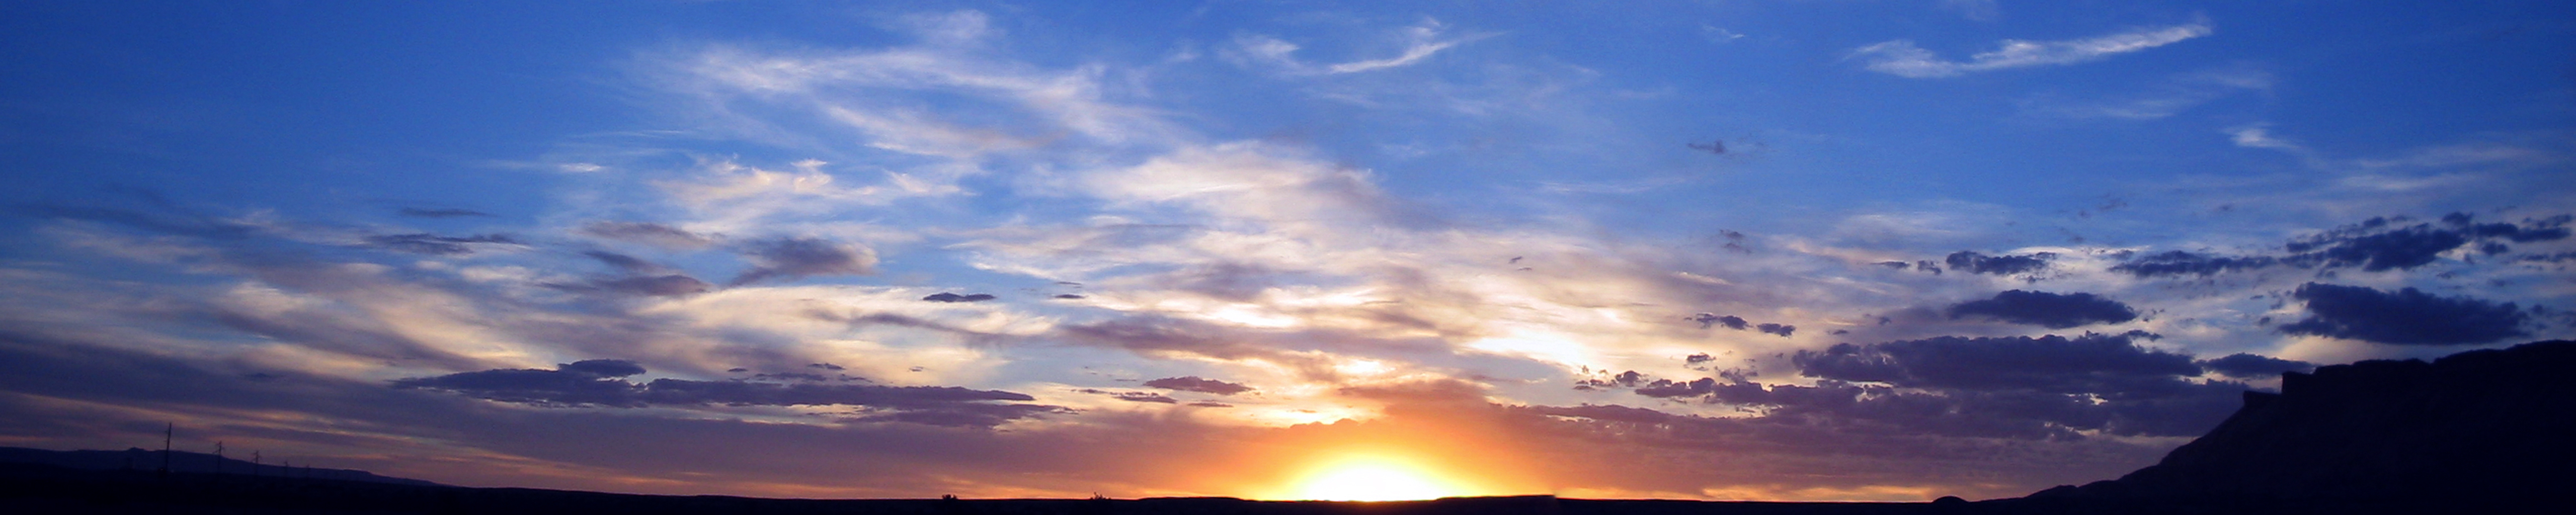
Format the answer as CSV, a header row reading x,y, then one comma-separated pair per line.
x,y
185,462
2490,428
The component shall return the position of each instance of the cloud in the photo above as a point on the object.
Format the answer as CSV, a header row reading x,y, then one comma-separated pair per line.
x,y
2383,244
598,383
647,233
440,213
1421,42
175,223
1196,384
2403,317
2185,263
952,297
2175,95
1133,396
669,285
1999,265
639,277
2092,363
2375,245
1902,58
2253,366
792,258
1712,319
2050,310
425,243
1166,337
1424,41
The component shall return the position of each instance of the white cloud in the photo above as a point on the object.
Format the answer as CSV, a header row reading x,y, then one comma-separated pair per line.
x,y
1421,41
1719,34
2177,94
1902,58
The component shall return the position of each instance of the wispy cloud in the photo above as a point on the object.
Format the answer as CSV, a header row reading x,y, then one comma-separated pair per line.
x,y
1420,42
2177,94
1902,58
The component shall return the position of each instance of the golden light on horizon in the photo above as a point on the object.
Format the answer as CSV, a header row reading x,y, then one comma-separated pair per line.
x,y
1373,479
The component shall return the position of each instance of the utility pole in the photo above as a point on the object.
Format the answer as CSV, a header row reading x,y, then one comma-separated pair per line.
x,y
167,429
219,456
254,463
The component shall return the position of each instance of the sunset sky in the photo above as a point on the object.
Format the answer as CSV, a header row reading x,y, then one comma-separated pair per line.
x,y
1776,250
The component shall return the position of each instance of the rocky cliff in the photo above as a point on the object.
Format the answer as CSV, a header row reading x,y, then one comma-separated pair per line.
x,y
2480,426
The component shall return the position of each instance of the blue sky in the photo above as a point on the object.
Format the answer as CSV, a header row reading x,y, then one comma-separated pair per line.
x,y
2000,246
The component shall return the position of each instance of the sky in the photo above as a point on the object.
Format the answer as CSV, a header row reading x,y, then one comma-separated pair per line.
x,y
1740,250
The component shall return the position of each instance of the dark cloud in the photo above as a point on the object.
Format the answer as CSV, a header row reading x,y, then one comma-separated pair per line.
x,y
2377,244
2089,363
1171,337
791,258
1197,384
2403,317
2051,310
2182,263
630,264
644,278
599,383
965,415
1068,296
1707,320
2249,365
2178,408
440,213
1133,396
432,244
2017,387
176,223
2561,257
673,285
1230,281
1669,388
870,319
602,367
648,233
2381,244
2531,230
1999,265
952,297
2396,249
563,388
1712,319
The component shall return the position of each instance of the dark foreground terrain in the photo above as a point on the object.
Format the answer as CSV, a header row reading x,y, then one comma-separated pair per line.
x,y
2490,431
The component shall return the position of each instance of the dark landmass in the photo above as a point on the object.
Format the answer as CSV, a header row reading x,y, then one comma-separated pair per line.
x,y
2490,431
2479,429
184,462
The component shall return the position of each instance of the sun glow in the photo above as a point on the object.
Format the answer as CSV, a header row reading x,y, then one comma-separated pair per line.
x,y
1373,480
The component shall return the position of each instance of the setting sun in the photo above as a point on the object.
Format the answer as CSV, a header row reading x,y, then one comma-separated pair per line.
x,y
1372,480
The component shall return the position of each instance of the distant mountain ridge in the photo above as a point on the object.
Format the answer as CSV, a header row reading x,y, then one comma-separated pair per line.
x,y
2491,426
185,463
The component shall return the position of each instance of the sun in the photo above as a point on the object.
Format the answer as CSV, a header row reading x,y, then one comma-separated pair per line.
x,y
1372,480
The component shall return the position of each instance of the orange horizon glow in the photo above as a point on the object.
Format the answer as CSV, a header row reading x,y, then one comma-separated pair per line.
x,y
1373,479
1372,476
